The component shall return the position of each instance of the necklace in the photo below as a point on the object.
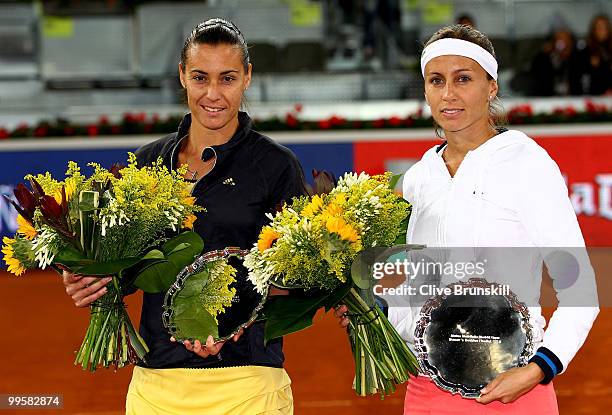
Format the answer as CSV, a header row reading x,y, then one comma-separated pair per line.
x,y
193,174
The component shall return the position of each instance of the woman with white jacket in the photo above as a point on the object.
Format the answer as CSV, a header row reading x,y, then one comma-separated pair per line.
x,y
489,187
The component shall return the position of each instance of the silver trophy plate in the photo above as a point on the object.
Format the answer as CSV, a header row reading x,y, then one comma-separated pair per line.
x,y
471,334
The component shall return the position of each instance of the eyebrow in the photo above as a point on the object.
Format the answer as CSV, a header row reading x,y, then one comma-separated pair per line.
x,y
206,73
455,71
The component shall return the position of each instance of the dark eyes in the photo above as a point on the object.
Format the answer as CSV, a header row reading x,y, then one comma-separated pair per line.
x,y
225,79
440,81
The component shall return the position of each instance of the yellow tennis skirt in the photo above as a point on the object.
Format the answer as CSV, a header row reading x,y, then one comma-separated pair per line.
x,y
224,391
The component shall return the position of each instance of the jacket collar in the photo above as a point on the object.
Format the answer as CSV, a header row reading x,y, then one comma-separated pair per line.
x,y
245,125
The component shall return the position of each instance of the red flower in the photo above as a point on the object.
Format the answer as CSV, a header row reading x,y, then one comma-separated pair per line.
x,y
103,120
128,117
336,120
92,130
41,131
379,123
324,124
291,120
395,121
140,117
26,200
298,107
592,107
4,133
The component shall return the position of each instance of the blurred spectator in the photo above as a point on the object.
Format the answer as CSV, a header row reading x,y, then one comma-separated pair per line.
x,y
466,19
598,57
388,13
557,69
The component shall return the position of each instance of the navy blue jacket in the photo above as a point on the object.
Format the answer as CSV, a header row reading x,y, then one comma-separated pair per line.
x,y
263,175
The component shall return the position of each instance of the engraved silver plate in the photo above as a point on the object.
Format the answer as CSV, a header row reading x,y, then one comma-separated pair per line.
x,y
464,340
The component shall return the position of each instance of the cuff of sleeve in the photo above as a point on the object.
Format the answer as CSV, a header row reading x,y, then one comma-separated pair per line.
x,y
548,362
382,303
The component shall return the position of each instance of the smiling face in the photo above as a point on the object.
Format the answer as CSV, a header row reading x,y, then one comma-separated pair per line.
x,y
215,80
457,90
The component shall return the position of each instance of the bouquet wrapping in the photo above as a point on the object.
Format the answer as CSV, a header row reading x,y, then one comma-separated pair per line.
x,y
312,245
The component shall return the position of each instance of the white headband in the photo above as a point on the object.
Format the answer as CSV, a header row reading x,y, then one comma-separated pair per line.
x,y
458,47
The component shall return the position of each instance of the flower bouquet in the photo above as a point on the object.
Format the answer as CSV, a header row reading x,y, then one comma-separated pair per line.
x,y
312,245
123,223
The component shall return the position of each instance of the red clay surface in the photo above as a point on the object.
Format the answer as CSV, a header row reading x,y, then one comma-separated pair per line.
x,y
42,329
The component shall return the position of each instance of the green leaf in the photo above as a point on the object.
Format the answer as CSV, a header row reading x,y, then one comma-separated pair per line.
x,y
394,180
194,322
69,255
76,261
157,277
188,237
194,285
289,314
403,226
175,254
183,249
102,268
336,296
190,318
154,254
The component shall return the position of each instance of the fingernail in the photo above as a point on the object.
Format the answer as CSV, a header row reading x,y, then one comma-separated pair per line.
x,y
103,290
107,279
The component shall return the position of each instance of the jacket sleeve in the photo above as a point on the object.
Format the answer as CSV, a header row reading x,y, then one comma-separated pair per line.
x,y
549,218
401,315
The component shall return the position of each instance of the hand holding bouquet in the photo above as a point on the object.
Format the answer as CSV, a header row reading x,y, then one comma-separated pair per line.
x,y
115,223
312,245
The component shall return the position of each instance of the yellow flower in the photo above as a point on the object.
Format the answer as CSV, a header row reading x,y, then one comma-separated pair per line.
x,y
14,265
25,228
313,207
70,187
342,229
340,199
334,209
188,221
189,200
267,238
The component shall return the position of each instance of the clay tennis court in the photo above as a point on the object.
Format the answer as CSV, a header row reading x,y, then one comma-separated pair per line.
x,y
42,329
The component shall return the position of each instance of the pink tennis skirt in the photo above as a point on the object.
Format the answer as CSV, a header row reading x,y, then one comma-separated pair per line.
x,y
424,397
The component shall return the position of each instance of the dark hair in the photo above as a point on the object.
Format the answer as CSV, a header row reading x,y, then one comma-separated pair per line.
x,y
591,40
497,116
216,32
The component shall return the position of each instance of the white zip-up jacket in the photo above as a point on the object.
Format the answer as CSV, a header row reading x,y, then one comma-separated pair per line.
x,y
508,192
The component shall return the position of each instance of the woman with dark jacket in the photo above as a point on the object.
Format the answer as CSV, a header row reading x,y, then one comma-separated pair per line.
x,y
238,175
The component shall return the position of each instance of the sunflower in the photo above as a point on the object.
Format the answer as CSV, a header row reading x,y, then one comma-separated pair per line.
x,y
267,238
25,228
344,230
14,265
334,210
313,207
188,221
